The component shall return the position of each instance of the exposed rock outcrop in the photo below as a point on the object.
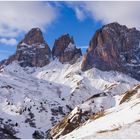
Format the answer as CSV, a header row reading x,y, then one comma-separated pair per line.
x,y
65,50
32,51
69,123
114,47
131,94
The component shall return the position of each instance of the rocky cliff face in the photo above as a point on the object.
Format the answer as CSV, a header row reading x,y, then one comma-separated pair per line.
x,y
114,47
65,50
32,51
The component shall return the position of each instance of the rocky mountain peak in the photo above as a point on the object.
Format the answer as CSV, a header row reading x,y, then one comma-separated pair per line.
x,y
61,44
114,47
114,25
34,36
65,49
32,51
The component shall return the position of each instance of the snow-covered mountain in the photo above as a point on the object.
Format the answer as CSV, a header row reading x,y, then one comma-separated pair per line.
x,y
46,94
35,99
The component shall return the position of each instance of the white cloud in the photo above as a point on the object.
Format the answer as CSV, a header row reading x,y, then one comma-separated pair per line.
x,y
16,17
123,12
10,42
9,32
78,9
79,14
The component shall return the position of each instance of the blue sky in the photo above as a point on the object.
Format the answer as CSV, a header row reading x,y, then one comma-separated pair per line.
x,y
82,31
79,19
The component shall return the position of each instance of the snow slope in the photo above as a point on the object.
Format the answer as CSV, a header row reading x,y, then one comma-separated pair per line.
x,y
37,98
121,121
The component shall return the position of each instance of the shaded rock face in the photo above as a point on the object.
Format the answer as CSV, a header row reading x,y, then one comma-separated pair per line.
x,y
32,51
114,47
65,50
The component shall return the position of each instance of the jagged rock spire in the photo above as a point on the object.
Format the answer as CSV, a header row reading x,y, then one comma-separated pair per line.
x,y
65,50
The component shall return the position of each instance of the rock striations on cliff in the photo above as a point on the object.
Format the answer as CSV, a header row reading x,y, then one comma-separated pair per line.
x,y
114,47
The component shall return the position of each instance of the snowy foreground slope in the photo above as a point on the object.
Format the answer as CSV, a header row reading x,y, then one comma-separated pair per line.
x,y
121,121
32,100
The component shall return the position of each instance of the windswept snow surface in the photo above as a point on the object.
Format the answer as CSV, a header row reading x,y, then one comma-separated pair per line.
x,y
37,98
121,121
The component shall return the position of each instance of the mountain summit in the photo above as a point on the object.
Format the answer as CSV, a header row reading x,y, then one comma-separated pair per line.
x,y
65,49
114,47
34,36
32,51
